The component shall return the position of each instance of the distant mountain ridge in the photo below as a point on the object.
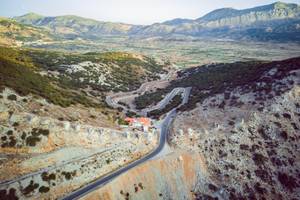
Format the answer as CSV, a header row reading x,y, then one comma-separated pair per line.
x,y
222,19
277,21
272,11
74,26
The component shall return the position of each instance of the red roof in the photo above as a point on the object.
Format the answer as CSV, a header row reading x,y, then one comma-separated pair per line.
x,y
145,121
142,120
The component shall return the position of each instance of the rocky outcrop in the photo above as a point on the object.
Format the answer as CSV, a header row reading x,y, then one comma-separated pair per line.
x,y
170,177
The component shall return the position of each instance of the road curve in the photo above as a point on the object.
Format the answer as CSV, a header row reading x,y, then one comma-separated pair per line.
x,y
162,141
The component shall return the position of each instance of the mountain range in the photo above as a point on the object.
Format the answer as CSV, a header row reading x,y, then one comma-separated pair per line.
x,y
277,21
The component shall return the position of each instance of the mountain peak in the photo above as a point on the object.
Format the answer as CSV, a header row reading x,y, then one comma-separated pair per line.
x,y
32,15
282,5
290,8
177,21
28,18
218,14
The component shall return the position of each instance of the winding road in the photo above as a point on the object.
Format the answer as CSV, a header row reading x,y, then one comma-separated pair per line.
x,y
164,126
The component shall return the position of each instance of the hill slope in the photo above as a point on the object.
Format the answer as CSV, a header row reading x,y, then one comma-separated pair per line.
x,y
67,79
238,138
14,33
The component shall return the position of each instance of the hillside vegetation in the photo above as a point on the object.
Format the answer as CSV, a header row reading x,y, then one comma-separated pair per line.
x,y
219,78
57,76
20,73
117,71
14,33
247,133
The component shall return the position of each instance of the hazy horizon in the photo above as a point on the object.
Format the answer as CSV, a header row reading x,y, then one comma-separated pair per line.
x,y
131,11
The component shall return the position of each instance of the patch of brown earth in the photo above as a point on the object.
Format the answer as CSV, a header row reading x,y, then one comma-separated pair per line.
x,y
173,176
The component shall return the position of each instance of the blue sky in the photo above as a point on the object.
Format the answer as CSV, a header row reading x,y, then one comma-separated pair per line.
x,y
128,11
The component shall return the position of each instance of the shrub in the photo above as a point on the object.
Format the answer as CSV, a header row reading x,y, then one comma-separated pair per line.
x,y
23,136
259,189
30,188
10,132
131,114
141,186
212,187
284,135
121,121
136,188
69,175
3,138
244,147
12,141
287,115
263,134
10,196
175,102
287,181
263,175
32,140
231,123
16,124
12,97
48,177
37,132
259,159
44,189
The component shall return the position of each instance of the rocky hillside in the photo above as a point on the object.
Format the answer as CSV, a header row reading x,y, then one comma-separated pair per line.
x,y
238,138
213,79
278,22
14,33
234,17
243,119
249,137
66,79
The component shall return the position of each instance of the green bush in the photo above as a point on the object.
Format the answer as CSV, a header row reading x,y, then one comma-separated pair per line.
x,y
175,102
12,97
30,188
221,78
32,140
44,189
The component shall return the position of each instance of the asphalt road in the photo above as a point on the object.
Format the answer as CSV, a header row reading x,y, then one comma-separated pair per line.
x,y
100,182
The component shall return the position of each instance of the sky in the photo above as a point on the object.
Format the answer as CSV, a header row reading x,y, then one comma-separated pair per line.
x,y
127,11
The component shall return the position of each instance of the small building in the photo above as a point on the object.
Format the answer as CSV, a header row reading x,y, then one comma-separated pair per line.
x,y
140,123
